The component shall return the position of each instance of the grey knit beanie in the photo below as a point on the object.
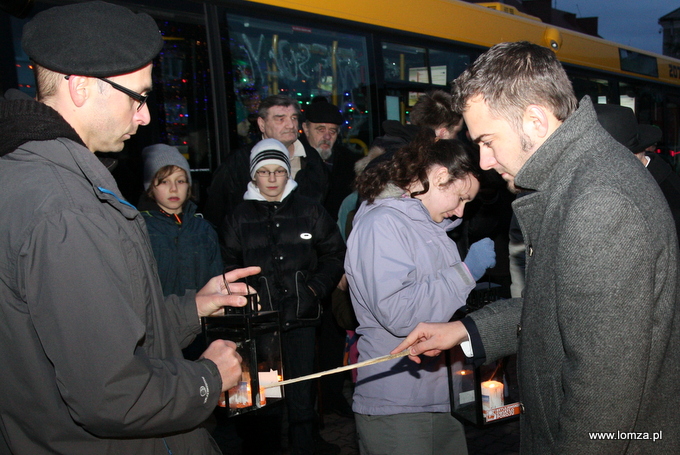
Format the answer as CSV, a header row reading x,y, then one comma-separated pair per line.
x,y
160,155
268,151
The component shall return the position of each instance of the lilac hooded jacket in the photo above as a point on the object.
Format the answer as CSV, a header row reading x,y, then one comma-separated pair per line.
x,y
402,269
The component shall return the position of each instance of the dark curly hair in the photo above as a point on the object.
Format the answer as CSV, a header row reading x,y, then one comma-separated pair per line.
x,y
412,162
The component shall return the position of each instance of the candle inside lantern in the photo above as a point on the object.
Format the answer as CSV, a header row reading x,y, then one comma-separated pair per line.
x,y
492,395
270,377
240,396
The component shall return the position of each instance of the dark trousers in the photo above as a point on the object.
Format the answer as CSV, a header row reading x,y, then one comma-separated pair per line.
x,y
298,346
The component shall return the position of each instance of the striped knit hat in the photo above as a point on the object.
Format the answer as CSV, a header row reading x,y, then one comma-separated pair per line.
x,y
268,151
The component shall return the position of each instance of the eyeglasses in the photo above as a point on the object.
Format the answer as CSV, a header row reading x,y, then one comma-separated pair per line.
x,y
141,99
265,173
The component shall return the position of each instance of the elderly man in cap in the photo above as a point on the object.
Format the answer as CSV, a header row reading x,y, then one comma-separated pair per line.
x,y
91,351
621,123
322,127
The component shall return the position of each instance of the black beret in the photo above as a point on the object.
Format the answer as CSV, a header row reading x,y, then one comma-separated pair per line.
x,y
96,39
323,112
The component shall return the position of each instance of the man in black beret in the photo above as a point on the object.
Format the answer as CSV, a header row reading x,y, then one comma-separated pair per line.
x,y
91,350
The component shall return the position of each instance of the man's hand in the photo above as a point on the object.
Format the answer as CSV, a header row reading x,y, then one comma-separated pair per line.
x,y
223,354
431,338
212,299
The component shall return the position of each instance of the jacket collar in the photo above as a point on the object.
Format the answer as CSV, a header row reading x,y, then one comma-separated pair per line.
x,y
537,171
413,208
24,120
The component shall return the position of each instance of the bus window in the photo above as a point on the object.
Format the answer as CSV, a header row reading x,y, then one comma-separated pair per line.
x,y
598,89
24,74
182,89
644,99
270,58
405,63
671,129
446,65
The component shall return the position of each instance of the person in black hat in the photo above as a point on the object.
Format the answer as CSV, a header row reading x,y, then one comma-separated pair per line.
x,y
621,123
91,350
322,127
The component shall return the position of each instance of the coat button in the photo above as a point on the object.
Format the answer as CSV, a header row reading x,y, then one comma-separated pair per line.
x,y
519,329
521,408
531,251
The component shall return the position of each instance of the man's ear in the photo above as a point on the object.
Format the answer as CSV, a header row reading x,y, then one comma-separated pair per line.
x,y
79,88
536,121
260,124
305,128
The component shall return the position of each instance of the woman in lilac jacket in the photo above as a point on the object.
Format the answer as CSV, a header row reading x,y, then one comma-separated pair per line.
x,y
402,269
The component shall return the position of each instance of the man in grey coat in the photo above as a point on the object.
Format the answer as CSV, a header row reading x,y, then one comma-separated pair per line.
x,y
90,349
597,333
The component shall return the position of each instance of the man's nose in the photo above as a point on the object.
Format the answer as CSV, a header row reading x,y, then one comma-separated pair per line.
x,y
143,116
486,158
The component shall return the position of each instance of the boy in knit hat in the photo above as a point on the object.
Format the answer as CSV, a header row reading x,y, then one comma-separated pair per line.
x,y
184,244
301,253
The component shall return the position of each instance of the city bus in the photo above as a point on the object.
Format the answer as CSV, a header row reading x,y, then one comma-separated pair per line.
x,y
371,58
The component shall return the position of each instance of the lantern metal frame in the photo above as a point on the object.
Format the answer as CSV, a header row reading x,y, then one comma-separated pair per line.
x,y
257,335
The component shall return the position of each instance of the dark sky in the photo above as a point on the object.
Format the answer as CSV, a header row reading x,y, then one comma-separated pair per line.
x,y
631,22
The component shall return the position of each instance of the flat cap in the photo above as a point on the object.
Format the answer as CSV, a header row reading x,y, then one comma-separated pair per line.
x,y
96,39
321,111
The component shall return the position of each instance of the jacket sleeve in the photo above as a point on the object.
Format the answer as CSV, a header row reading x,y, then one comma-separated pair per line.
x,y
330,250
216,265
90,308
183,317
232,249
497,325
394,285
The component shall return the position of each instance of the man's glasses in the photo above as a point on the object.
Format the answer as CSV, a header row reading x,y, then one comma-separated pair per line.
x,y
263,173
141,99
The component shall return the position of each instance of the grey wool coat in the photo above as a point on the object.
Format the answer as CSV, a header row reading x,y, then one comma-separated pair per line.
x,y
597,331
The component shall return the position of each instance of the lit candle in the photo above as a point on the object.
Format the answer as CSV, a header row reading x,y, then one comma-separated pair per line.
x,y
492,395
270,377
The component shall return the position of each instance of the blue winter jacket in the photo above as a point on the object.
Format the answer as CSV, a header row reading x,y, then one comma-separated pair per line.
x,y
188,254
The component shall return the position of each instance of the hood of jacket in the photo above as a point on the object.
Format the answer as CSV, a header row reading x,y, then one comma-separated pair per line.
x,y
22,119
396,198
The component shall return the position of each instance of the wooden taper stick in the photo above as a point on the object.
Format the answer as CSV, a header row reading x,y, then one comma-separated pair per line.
x,y
338,370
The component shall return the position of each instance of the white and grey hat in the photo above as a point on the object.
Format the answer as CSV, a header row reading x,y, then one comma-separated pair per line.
x,y
268,151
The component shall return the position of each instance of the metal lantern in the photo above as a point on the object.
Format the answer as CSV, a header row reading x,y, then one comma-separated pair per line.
x,y
489,393
257,335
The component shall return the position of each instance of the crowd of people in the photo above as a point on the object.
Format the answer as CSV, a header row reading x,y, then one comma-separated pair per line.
x,y
101,300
